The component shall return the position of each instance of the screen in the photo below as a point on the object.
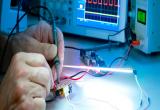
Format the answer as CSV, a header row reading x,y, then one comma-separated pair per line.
x,y
141,17
102,14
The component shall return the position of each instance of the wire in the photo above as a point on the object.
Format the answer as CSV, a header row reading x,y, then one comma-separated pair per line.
x,y
100,47
142,92
74,48
111,35
72,77
104,101
10,34
124,58
118,58
39,15
78,73
108,45
149,103
71,104
19,4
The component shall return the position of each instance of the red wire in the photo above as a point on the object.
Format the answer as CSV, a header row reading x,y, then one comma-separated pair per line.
x,y
67,77
109,73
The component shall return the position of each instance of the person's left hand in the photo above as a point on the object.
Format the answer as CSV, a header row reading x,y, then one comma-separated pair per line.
x,y
39,39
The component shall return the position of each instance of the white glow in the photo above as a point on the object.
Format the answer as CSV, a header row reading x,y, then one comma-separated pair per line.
x,y
121,70
99,94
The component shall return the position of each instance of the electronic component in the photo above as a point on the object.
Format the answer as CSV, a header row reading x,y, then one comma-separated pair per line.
x,y
90,58
64,88
145,23
8,16
91,18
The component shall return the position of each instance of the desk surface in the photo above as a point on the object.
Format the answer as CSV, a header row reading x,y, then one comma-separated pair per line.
x,y
115,92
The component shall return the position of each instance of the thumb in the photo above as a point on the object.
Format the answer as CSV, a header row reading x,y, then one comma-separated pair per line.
x,y
48,50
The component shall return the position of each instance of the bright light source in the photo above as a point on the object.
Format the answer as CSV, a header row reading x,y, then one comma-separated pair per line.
x,y
120,70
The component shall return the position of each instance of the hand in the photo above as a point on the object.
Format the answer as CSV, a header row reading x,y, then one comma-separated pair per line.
x,y
26,84
43,33
37,39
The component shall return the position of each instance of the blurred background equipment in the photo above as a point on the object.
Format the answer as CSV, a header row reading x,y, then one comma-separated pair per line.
x,y
145,24
90,18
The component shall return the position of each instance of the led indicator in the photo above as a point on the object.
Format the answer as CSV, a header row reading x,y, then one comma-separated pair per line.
x,y
141,16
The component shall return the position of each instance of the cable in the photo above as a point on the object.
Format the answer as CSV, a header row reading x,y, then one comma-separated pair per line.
x,y
117,32
10,34
74,48
72,77
39,15
142,92
78,73
118,58
108,45
69,102
124,58
19,4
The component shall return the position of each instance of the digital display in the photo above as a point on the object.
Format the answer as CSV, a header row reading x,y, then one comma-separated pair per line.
x,y
141,16
99,13
102,10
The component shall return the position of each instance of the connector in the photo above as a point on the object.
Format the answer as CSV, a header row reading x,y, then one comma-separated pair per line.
x,y
64,88
90,58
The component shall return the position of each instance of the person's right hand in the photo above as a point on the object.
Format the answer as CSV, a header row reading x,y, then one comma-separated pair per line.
x,y
27,83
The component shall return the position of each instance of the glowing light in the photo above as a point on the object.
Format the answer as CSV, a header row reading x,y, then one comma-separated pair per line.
x,y
120,70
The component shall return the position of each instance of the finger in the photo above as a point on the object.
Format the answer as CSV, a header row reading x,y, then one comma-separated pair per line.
x,y
40,31
39,104
32,59
32,104
48,50
45,31
25,104
35,32
41,76
35,90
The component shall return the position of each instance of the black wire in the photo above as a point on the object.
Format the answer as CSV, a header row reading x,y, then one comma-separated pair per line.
x,y
118,58
10,34
18,10
74,48
121,58
19,4
99,74
111,35
109,45
77,74
39,15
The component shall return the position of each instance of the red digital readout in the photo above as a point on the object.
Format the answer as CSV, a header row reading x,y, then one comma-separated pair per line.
x,y
112,3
